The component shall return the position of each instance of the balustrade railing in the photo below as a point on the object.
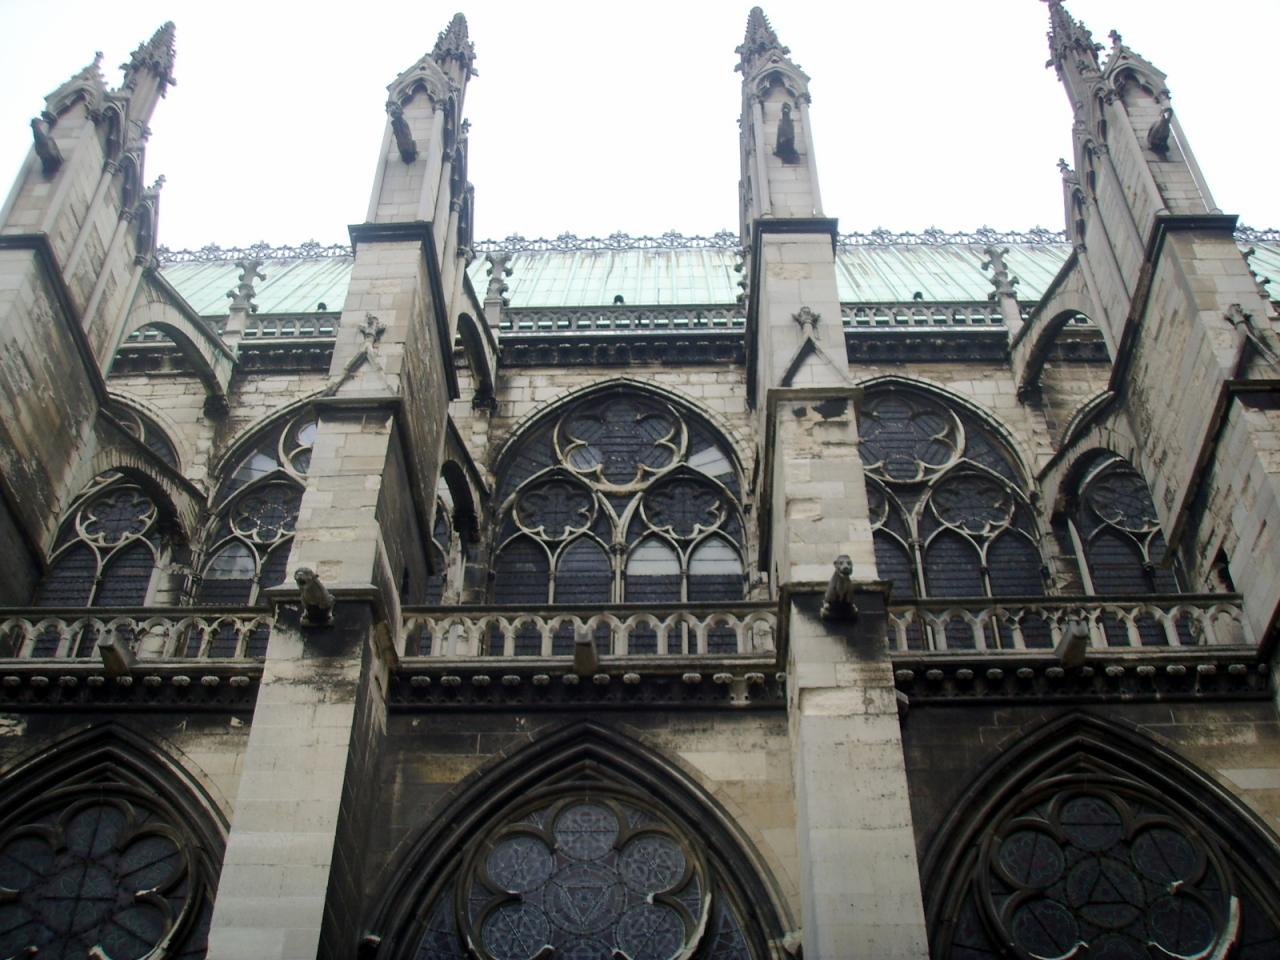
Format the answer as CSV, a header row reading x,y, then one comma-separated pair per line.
x,y
153,634
689,630
1113,623
533,320
288,326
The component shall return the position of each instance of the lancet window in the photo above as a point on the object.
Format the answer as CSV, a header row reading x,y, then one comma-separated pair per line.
x,y
256,511
1118,532
107,549
620,498
590,873
949,515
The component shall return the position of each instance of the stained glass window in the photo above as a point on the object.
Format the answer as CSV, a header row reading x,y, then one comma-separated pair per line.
x,y
1120,532
1108,864
255,513
106,551
949,514
585,875
99,870
620,497
143,428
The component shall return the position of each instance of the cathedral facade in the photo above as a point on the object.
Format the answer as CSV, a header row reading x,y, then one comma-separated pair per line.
x,y
779,593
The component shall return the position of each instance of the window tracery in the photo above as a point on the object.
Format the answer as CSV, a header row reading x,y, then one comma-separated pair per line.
x,y
144,429
586,873
107,550
100,865
256,510
948,513
1119,531
620,498
1104,864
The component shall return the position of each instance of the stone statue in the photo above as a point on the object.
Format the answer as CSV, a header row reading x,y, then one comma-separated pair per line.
x,y
317,602
46,148
400,129
837,603
786,148
1158,135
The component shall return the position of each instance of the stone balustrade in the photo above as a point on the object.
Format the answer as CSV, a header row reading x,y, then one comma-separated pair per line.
x,y
711,630
1013,624
158,633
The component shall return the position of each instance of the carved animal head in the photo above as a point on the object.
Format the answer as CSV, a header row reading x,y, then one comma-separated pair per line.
x,y
843,565
304,575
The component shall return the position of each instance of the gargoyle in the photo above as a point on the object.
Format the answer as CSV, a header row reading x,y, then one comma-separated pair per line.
x,y
317,602
837,603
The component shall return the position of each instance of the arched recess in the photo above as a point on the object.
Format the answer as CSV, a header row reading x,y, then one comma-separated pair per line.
x,y
143,423
110,843
619,494
1091,839
949,497
583,764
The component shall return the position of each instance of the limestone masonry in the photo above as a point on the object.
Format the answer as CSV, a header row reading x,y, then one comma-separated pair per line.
x,y
778,593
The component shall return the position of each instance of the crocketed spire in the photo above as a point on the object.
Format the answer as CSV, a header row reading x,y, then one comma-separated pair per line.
x,y
454,44
156,56
759,43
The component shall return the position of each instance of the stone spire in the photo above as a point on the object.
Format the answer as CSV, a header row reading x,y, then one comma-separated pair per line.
x,y
1069,39
155,56
760,43
454,44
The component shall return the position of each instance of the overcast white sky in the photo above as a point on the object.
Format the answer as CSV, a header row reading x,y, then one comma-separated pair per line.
x,y
591,117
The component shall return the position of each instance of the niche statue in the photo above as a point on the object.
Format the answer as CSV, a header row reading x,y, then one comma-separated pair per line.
x,y
786,143
837,603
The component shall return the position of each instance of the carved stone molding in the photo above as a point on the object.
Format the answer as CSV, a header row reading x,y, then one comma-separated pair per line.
x,y
633,685
1001,678
196,686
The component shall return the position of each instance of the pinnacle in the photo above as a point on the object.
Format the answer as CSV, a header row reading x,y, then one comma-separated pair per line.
x,y
760,39
454,43
156,55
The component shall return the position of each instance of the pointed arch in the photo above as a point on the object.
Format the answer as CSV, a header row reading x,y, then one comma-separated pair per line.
x,y
106,805
574,761
261,483
627,466
1135,788
949,495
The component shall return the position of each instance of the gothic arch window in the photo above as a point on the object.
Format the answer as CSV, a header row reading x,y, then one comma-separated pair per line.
x,y
1085,857
949,514
580,846
98,860
144,429
107,548
619,497
256,510
1119,532
441,546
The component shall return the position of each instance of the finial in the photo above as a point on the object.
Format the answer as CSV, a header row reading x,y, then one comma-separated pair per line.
x,y
454,44
1116,39
1001,279
498,272
759,41
156,55
242,296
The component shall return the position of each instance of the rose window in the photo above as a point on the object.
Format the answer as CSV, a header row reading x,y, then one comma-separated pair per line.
x,y
103,872
586,877
120,513
907,438
1095,872
267,513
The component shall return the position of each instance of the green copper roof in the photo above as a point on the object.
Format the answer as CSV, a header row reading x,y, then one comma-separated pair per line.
x,y
291,286
558,274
